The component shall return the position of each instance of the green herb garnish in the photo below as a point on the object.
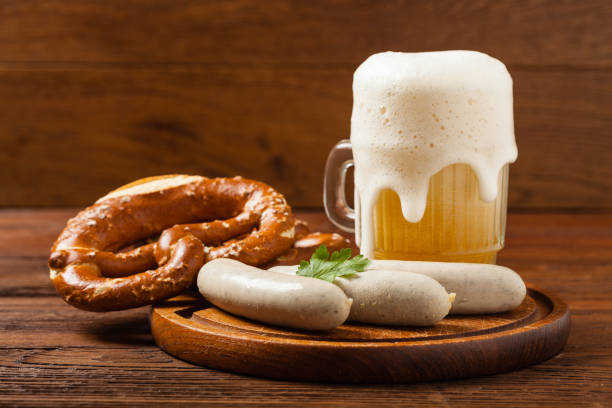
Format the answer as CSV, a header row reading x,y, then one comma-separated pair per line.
x,y
322,266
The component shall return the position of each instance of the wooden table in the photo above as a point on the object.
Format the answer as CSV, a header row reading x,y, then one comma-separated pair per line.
x,y
53,354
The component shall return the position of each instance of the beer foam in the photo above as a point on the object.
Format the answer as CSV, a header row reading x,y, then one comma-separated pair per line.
x,y
416,113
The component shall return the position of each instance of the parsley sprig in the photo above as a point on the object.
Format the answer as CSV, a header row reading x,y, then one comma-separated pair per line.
x,y
326,267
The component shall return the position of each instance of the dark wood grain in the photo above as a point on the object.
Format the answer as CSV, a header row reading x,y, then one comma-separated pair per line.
x,y
52,354
532,32
96,94
71,136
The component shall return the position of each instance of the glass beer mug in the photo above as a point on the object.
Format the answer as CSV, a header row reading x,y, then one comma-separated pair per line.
x,y
457,225
431,138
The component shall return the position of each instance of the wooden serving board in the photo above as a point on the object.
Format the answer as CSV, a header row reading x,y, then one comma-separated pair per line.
x,y
192,329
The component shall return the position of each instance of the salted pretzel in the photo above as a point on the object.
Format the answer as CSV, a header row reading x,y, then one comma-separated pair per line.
x,y
198,218
306,243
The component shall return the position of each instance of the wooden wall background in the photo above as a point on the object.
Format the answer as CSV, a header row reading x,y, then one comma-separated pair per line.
x,y
94,94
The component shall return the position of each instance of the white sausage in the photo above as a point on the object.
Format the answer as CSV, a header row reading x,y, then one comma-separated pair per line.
x,y
391,298
290,301
480,288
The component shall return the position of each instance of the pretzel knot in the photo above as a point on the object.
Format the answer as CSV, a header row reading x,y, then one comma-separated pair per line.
x,y
199,219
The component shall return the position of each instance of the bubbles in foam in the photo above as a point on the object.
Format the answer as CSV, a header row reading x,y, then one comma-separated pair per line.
x,y
434,109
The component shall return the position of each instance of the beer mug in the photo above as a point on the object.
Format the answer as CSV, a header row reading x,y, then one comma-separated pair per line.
x,y
431,138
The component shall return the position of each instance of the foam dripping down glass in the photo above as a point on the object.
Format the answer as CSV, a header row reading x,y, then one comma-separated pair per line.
x,y
431,138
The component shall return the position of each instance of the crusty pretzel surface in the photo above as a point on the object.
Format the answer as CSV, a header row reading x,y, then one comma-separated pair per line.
x,y
199,219
306,243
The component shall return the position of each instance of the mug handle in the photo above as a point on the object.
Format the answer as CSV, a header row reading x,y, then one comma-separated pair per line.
x,y
338,211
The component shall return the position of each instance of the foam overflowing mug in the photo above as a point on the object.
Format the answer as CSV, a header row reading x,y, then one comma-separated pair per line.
x,y
431,137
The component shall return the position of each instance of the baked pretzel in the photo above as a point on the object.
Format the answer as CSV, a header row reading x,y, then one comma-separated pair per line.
x,y
90,274
306,243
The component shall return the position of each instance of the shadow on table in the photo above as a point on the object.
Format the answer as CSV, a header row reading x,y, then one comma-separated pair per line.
x,y
130,327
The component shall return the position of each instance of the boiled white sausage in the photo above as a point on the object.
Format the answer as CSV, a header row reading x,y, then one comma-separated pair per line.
x,y
290,301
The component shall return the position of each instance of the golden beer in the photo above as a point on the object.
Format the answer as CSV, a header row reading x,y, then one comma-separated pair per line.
x,y
457,225
414,114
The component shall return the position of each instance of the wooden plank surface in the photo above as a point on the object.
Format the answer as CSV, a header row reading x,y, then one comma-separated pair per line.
x,y
66,144
529,32
52,354
95,94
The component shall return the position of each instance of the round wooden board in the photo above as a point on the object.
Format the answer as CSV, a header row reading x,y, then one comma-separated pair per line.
x,y
457,347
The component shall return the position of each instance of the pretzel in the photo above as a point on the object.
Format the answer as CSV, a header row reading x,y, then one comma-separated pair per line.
x,y
90,272
306,243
